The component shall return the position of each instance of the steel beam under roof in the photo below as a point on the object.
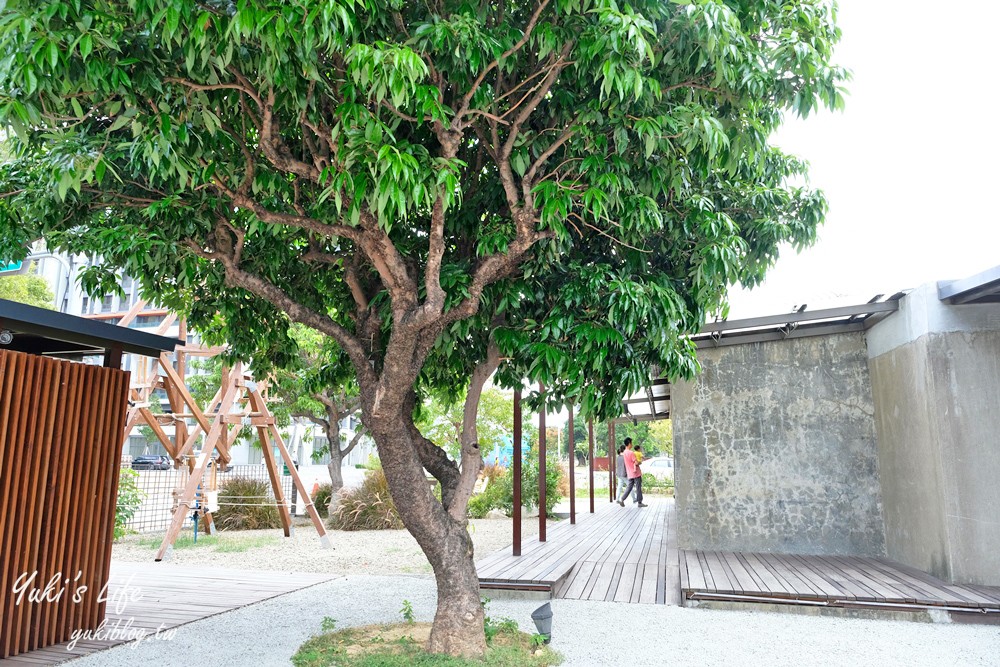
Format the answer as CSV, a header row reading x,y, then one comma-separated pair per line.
x,y
798,324
802,316
981,288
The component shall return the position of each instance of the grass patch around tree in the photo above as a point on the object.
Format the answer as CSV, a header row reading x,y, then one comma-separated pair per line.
x,y
184,541
402,645
219,543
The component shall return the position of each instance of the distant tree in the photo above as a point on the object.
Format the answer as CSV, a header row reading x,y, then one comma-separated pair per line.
x,y
441,421
640,432
661,437
316,387
28,289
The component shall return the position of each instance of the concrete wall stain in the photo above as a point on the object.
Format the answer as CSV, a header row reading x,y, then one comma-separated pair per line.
x,y
776,451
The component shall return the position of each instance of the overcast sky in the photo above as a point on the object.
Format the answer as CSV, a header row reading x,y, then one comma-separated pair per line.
x,y
910,168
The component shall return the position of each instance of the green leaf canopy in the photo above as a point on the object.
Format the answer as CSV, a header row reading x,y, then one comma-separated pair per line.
x,y
594,172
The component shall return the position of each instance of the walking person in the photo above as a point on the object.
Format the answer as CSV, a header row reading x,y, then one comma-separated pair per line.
x,y
637,492
620,471
634,476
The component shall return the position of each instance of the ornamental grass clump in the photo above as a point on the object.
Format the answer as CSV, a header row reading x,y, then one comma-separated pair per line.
x,y
246,504
367,507
321,499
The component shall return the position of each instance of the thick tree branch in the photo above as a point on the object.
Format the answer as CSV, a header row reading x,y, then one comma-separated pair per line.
x,y
528,182
319,421
354,283
354,442
275,148
560,63
390,264
433,458
270,292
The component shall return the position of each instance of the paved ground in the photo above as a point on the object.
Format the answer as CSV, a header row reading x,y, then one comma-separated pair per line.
x,y
588,634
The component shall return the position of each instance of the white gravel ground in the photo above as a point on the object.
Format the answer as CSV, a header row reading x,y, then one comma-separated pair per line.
x,y
588,634
359,552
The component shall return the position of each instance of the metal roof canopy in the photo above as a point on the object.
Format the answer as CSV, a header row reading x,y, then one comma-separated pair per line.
x,y
981,288
47,332
799,324
654,401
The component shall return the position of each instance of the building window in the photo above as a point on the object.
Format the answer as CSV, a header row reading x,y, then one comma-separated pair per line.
x,y
107,303
147,321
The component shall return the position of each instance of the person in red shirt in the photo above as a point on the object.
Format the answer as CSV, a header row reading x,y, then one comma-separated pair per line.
x,y
634,476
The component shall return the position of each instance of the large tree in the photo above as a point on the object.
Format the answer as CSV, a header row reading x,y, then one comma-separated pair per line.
x,y
378,170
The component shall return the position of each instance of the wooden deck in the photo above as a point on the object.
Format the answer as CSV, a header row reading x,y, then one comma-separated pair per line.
x,y
617,554
832,581
171,595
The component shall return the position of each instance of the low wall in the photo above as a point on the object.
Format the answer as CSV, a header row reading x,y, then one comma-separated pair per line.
x,y
775,449
935,374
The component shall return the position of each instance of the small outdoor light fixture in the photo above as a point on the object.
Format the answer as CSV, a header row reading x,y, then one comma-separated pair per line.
x,y
543,621
6,337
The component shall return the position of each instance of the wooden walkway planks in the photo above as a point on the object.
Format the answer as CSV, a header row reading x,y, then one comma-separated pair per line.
x,y
829,580
156,595
617,554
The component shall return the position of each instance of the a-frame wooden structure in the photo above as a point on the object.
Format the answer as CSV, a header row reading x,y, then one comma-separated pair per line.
x,y
239,402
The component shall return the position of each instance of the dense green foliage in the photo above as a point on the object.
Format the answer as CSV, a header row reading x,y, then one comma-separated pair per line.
x,y
568,186
499,493
30,289
656,438
285,145
440,420
321,499
130,498
651,484
317,384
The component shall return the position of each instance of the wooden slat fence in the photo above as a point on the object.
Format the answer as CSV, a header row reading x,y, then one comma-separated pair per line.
x,y
60,433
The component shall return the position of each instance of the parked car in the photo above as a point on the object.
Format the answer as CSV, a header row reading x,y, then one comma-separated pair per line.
x,y
151,462
660,467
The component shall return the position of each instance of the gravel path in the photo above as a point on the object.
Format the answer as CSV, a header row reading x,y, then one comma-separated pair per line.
x,y
588,634
361,552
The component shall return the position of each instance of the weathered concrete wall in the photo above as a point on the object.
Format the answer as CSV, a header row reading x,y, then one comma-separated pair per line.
x,y
936,383
775,449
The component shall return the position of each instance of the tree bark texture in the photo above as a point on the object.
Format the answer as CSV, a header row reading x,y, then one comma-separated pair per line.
x,y
444,539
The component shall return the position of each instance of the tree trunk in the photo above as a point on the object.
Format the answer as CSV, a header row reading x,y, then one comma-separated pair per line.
x,y
335,466
458,622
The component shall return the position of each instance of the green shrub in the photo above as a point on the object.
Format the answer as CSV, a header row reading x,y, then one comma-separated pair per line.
x,y
321,499
500,493
490,499
529,484
367,507
653,484
246,504
130,498
495,626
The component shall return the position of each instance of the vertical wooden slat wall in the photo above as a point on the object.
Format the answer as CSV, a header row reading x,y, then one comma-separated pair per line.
x,y
60,428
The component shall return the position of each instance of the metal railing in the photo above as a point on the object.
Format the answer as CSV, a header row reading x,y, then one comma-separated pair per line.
x,y
161,488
